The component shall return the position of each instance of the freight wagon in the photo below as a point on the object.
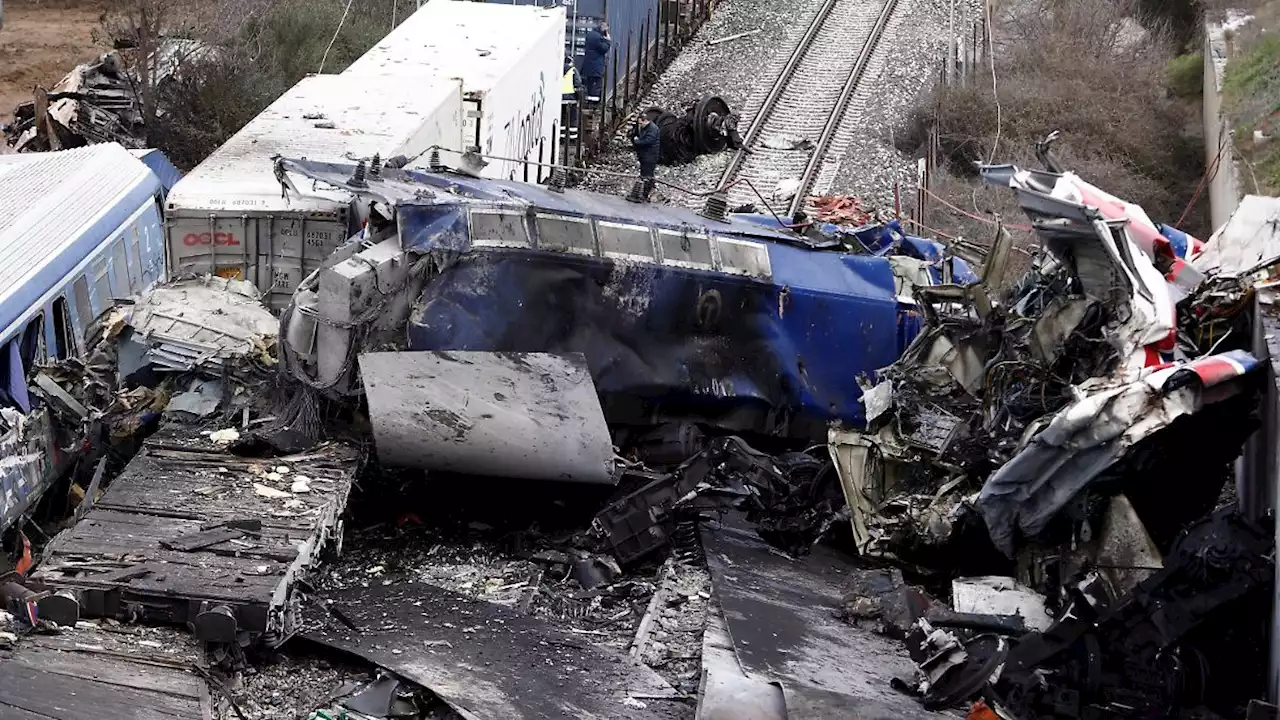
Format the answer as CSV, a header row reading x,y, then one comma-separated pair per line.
x,y
228,217
510,60
78,229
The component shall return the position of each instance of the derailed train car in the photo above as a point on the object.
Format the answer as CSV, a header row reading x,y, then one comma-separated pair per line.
x,y
674,318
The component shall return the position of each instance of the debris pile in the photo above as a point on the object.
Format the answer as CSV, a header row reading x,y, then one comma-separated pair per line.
x,y
1040,433
708,126
97,102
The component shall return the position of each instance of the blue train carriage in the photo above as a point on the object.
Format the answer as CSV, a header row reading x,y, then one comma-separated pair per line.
x,y
743,327
78,229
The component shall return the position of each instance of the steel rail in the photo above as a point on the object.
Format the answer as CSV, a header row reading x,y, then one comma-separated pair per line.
x,y
842,104
775,92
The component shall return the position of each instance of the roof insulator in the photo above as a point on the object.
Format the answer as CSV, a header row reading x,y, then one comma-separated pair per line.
x,y
436,165
717,207
375,167
358,177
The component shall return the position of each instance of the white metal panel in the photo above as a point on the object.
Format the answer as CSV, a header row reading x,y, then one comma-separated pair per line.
x,y
522,109
323,117
510,59
48,204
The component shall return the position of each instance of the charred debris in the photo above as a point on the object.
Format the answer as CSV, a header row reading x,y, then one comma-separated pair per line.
x,y
618,461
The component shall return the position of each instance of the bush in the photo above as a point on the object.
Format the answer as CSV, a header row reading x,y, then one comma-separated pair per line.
x,y
265,55
1077,67
1186,76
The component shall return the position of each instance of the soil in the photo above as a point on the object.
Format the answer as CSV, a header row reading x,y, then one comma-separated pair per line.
x,y
41,41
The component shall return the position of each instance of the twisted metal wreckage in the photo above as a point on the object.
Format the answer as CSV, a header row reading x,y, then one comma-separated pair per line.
x,y
795,377
1036,430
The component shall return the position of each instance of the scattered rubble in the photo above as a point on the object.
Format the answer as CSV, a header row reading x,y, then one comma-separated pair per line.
x,y
97,102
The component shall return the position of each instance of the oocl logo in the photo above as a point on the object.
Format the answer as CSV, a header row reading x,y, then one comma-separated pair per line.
x,y
217,238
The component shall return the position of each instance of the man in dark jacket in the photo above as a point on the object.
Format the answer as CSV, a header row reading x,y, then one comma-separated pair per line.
x,y
597,47
647,141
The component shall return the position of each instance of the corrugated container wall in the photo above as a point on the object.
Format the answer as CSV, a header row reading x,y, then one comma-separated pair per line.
x,y
632,24
510,60
227,216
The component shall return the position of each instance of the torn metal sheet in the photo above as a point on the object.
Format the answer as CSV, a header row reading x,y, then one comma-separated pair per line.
x,y
28,454
489,662
203,324
1093,433
727,691
782,618
522,415
1000,596
1250,241
1122,549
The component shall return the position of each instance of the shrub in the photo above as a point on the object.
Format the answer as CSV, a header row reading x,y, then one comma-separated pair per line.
x,y
1186,76
1078,68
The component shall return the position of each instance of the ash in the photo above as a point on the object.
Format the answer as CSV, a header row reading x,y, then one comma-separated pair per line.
x,y
520,551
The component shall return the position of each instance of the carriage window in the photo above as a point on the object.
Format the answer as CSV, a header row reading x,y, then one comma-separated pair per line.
x,y
84,310
63,346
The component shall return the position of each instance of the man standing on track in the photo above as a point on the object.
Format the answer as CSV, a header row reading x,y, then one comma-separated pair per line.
x,y
647,141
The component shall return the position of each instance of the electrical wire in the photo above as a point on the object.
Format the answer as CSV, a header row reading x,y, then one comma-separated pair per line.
x,y
995,94
334,39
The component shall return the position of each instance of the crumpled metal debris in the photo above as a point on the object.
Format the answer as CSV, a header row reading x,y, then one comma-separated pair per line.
x,y
97,102
1183,640
1012,405
791,498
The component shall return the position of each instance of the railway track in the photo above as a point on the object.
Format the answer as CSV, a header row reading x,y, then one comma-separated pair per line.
x,y
807,103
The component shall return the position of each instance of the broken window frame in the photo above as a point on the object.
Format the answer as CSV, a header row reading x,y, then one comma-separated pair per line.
x,y
64,341
29,346
478,239
84,307
544,222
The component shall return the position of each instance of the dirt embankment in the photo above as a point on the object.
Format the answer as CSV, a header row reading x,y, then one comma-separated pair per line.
x,y
40,42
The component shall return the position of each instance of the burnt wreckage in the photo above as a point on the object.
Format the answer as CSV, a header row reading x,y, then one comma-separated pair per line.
x,y
708,126
1032,432
1082,426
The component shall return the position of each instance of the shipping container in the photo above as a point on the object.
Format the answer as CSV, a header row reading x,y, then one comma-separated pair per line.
x,y
228,217
510,60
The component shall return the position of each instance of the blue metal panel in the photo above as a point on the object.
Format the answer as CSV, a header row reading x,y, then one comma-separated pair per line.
x,y
165,171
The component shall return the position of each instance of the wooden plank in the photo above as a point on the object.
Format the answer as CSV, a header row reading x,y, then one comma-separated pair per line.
x,y
72,699
112,671
9,712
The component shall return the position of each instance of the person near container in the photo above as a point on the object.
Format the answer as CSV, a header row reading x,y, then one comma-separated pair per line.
x,y
647,141
598,45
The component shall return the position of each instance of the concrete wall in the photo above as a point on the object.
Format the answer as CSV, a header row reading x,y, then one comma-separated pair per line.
x,y
1224,185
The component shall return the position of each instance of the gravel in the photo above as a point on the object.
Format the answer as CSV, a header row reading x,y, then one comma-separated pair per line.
x,y
862,160
905,66
740,71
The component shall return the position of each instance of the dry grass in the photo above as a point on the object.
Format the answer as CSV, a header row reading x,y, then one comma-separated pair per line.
x,y
1086,69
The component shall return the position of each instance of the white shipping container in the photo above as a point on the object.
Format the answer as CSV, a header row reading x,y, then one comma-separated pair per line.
x,y
228,217
510,59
